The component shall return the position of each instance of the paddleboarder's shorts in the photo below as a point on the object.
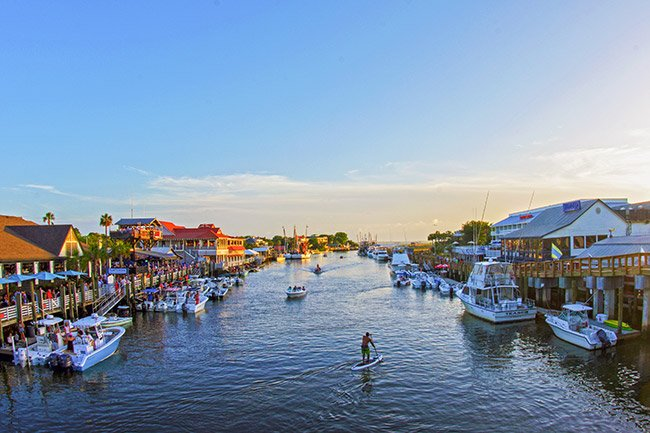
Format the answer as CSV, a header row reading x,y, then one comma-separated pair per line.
x,y
365,350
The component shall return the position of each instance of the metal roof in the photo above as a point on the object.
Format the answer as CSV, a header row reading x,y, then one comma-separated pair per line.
x,y
617,246
135,221
550,220
516,218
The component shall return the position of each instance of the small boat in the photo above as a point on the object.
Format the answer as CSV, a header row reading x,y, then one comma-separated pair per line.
x,y
613,323
381,255
191,302
444,287
296,292
572,325
92,345
402,280
222,291
318,270
363,365
121,318
49,338
419,281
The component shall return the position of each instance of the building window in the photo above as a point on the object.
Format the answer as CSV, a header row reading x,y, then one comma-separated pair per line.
x,y
591,240
601,237
578,242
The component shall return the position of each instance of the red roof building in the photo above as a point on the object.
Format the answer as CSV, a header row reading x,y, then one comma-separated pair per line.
x,y
207,241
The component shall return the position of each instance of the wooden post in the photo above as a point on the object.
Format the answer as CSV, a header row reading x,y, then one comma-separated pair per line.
x,y
620,311
31,290
83,292
62,303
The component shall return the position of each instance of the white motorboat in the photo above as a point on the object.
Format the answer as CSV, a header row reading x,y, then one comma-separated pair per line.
x,y
420,281
402,280
222,291
399,263
296,292
492,294
49,338
191,302
121,318
92,345
381,255
572,325
444,287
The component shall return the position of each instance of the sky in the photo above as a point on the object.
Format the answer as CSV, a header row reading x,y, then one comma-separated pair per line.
x,y
387,117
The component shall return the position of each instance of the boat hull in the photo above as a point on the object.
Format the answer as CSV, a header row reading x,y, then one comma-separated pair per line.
x,y
83,363
499,316
124,321
576,338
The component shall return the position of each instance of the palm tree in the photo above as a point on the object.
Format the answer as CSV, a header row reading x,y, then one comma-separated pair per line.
x,y
106,221
49,218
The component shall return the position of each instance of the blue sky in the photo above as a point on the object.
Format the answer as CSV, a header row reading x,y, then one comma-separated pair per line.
x,y
389,117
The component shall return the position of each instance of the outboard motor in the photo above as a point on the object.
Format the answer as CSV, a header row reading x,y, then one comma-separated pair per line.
x,y
20,356
604,339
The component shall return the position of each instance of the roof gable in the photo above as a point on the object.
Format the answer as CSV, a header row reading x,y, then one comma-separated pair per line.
x,y
14,248
50,238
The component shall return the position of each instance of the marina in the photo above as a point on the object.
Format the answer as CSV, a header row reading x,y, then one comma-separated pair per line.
x,y
256,350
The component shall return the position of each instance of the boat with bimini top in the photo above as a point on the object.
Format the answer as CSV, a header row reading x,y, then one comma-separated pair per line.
x,y
492,294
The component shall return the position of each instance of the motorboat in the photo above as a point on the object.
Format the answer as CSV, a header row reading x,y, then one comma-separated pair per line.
x,y
92,345
381,255
222,291
399,263
191,302
492,294
238,281
444,287
122,317
296,292
318,270
420,281
49,338
573,326
402,280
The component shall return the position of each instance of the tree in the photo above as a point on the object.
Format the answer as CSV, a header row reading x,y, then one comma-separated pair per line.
x,y
49,218
106,221
120,249
340,238
476,231
440,240
277,241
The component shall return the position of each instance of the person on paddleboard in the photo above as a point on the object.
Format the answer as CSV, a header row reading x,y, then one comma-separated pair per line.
x,y
365,349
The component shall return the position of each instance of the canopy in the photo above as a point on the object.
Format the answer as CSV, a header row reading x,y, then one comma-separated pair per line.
x,y
47,276
251,253
89,321
71,273
18,278
150,290
49,321
576,307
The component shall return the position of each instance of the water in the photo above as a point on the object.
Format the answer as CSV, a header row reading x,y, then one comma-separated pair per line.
x,y
259,362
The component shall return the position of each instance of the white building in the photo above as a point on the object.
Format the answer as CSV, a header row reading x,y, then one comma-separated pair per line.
x,y
571,228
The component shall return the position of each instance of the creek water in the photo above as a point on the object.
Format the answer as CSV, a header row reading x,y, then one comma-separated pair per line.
x,y
259,362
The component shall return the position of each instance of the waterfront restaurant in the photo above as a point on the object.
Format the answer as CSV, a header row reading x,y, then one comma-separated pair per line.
x,y
27,247
567,229
205,241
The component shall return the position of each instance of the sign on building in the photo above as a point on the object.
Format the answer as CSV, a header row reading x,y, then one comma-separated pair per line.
x,y
118,271
571,206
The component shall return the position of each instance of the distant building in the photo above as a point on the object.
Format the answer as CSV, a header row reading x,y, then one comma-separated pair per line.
x,y
204,242
637,216
142,232
570,228
27,247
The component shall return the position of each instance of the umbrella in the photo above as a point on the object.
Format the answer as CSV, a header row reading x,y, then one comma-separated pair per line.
x,y
71,273
18,278
150,290
47,276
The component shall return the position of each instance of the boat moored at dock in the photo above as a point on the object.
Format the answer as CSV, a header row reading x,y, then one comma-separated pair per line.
x,y
573,326
49,338
92,345
492,294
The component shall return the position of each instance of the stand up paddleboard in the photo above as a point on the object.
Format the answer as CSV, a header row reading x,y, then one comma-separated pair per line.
x,y
373,362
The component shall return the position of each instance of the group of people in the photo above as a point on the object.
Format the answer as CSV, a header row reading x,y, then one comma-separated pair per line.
x,y
297,288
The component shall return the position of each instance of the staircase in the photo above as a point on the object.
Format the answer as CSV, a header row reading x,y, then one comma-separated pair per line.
x,y
106,303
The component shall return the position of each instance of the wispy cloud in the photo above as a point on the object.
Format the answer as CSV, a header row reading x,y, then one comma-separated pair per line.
x,y
136,170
